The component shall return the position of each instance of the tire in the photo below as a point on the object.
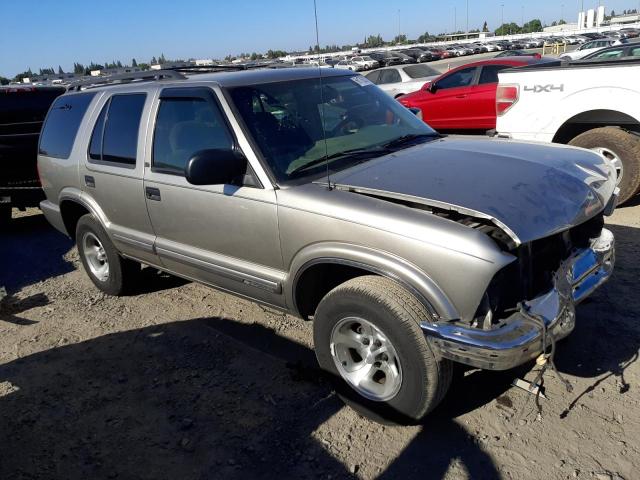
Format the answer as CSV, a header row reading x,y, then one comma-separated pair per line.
x,y
5,215
96,250
396,314
625,146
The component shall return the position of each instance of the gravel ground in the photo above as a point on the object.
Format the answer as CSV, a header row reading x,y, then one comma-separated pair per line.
x,y
183,382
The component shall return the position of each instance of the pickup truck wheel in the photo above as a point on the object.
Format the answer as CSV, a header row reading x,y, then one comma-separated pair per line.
x,y
367,337
622,148
108,271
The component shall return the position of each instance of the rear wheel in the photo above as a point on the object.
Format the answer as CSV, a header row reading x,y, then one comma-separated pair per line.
x,y
108,271
367,337
622,149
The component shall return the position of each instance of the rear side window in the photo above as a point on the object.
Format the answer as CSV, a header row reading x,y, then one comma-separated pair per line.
x,y
634,52
62,123
490,73
420,71
373,76
184,126
389,76
115,135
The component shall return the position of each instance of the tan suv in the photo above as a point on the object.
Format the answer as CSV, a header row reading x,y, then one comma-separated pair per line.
x,y
322,196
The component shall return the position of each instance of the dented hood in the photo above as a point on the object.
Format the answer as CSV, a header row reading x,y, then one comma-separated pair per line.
x,y
530,190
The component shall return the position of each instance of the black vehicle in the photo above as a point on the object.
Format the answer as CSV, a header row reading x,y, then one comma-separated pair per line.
x,y
22,111
626,51
593,36
418,54
386,59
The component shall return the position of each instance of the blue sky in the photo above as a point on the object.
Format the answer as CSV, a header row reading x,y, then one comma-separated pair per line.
x,y
49,33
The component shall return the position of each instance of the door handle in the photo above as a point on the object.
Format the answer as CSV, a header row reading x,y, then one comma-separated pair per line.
x,y
152,193
89,181
461,96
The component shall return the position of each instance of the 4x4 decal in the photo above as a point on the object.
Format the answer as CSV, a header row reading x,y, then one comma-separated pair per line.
x,y
544,88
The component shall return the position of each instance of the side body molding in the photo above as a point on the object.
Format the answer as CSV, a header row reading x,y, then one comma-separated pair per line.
x,y
378,262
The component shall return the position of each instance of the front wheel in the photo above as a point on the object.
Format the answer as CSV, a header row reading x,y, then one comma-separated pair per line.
x,y
367,337
623,151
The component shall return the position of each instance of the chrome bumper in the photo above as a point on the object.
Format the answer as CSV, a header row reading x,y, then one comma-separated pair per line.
x,y
519,339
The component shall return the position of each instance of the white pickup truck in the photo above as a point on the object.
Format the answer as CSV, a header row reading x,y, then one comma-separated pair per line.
x,y
594,105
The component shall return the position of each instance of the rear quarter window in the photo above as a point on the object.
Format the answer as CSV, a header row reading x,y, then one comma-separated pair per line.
x,y
62,123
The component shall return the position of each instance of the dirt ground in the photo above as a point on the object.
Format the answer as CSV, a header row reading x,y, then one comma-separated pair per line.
x,y
183,382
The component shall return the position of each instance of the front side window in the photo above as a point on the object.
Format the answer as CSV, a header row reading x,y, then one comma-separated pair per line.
x,y
617,53
184,126
302,126
115,134
62,123
634,52
461,78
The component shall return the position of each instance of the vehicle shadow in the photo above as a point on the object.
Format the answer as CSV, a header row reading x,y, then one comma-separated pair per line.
x,y
31,251
606,339
201,398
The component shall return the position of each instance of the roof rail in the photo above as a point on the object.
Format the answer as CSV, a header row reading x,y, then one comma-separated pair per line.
x,y
120,78
221,67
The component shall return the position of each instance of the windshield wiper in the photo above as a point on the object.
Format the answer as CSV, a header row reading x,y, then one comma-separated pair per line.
x,y
405,139
354,152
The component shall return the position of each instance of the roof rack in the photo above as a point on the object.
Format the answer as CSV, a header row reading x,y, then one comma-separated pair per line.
x,y
122,78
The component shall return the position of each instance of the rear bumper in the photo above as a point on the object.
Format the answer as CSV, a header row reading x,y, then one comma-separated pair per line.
x,y
519,338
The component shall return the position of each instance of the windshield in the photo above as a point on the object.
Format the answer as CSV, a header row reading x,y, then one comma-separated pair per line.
x,y
286,121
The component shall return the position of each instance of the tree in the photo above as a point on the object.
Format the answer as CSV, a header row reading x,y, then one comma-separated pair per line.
x,y
78,68
162,60
562,22
254,56
60,71
508,29
4,81
534,25
143,66
485,27
400,39
154,61
134,63
613,13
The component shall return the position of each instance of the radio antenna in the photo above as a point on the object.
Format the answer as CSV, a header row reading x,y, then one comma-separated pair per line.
x,y
324,131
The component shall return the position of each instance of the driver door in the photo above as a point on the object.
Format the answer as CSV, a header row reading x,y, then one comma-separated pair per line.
x,y
448,108
222,235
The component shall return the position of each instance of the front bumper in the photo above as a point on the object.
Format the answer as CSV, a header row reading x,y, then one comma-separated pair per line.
x,y
518,338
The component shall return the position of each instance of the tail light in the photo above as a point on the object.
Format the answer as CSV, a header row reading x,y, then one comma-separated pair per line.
x,y
506,97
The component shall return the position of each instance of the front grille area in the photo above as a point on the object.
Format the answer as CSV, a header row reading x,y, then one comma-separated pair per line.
x,y
532,274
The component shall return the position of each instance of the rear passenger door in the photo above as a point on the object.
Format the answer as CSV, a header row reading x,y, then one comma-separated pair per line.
x,y
113,170
390,81
223,235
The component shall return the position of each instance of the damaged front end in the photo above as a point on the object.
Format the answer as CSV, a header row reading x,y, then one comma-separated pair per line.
x,y
548,278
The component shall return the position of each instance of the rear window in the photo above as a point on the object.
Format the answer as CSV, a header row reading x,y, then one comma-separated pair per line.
x,y
420,71
62,123
115,135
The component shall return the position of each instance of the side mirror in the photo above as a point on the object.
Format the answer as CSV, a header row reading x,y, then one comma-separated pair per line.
x,y
215,167
416,111
431,87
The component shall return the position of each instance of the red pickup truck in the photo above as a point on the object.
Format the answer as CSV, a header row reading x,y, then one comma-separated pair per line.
x,y
464,99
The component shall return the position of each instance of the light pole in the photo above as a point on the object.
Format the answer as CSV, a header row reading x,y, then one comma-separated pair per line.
x,y
522,17
502,19
455,20
467,18
561,11
398,25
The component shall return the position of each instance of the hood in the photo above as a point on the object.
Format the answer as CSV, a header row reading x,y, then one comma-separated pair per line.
x,y
529,190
